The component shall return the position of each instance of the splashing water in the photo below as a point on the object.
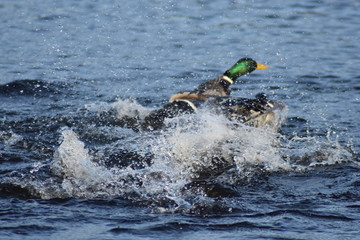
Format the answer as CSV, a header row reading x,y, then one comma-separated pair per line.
x,y
192,148
207,140
122,108
73,162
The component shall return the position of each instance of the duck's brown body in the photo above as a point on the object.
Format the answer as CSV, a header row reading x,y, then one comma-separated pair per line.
x,y
218,87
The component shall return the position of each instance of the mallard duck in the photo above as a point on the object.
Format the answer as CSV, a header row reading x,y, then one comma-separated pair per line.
x,y
214,95
219,87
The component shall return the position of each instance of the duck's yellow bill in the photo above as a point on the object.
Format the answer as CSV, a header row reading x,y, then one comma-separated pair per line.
x,y
261,66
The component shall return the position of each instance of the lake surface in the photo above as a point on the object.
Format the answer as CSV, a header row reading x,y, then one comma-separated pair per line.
x,y
72,71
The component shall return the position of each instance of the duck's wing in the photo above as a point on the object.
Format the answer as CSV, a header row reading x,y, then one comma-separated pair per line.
x,y
255,112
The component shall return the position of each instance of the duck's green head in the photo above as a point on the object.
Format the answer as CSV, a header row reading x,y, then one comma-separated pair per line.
x,y
242,67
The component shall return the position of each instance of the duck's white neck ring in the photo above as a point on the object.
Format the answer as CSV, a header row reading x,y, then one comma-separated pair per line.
x,y
226,78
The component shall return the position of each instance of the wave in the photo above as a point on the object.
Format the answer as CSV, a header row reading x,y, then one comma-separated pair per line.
x,y
31,87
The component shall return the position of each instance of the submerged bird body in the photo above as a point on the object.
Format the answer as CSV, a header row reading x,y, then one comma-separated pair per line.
x,y
255,112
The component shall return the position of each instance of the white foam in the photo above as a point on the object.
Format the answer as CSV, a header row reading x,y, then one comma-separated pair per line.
x,y
131,108
122,107
73,162
305,153
196,141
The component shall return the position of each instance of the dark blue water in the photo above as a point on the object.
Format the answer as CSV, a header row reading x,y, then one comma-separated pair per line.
x,y
72,71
